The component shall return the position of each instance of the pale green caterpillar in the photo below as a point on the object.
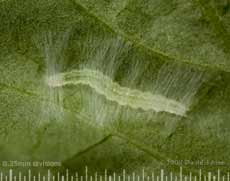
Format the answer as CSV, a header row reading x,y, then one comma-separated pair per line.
x,y
112,91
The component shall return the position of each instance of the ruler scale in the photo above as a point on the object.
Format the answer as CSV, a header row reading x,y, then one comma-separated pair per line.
x,y
218,175
163,175
20,176
200,175
10,175
153,177
76,176
209,176
114,176
143,175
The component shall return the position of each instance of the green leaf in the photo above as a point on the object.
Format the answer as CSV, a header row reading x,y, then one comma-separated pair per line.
x,y
115,84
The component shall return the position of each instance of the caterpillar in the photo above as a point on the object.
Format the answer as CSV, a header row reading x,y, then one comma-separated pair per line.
x,y
112,91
